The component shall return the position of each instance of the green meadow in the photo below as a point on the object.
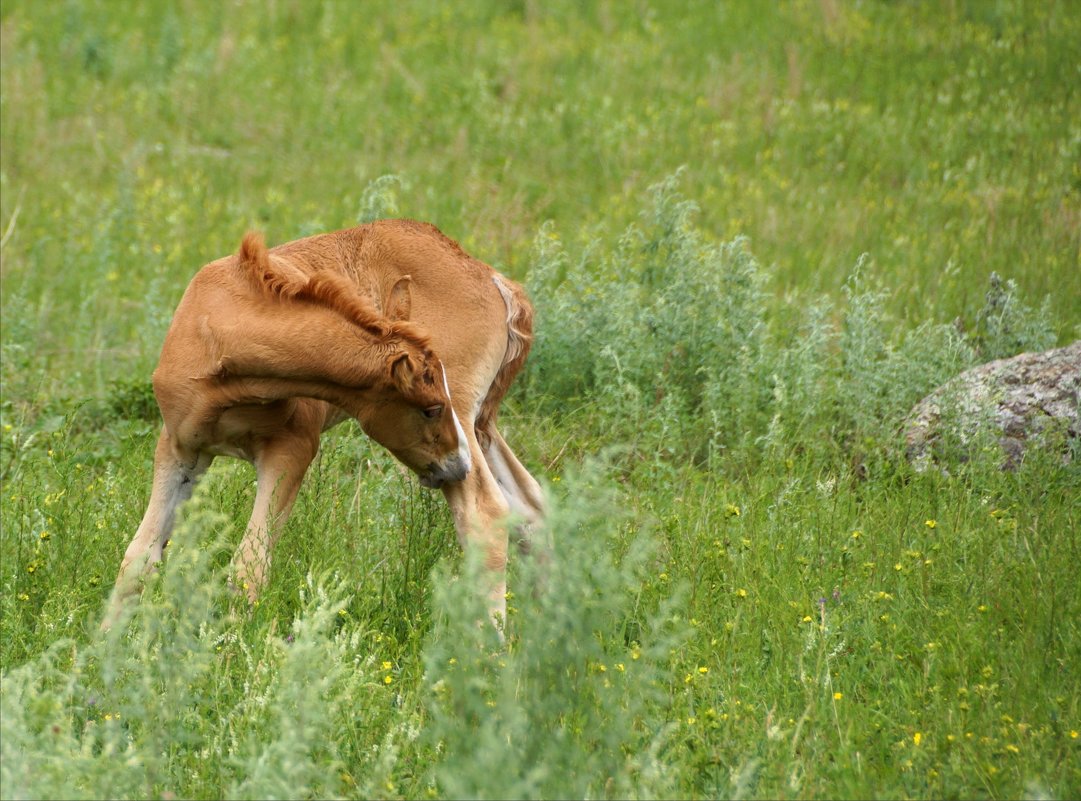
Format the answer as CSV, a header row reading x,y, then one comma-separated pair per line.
x,y
755,235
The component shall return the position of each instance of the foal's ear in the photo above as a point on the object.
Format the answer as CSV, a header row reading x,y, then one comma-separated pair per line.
x,y
402,372
399,301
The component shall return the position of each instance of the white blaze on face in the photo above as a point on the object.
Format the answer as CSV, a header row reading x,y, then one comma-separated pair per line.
x,y
463,444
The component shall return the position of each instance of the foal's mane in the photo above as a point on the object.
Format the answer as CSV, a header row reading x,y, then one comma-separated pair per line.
x,y
283,278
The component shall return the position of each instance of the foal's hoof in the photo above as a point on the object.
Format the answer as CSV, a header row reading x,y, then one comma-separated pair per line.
x,y
243,598
118,610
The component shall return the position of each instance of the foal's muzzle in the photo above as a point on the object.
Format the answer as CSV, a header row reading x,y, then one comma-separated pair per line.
x,y
454,469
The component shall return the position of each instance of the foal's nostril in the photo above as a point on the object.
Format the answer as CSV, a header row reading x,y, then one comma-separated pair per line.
x,y
454,469
457,469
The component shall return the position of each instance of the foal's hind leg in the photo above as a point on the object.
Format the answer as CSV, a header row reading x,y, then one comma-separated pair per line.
x,y
175,476
280,465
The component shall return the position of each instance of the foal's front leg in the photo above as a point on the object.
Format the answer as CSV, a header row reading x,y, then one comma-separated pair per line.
x,y
480,515
521,490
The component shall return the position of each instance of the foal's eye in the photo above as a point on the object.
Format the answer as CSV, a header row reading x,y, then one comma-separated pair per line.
x,y
432,412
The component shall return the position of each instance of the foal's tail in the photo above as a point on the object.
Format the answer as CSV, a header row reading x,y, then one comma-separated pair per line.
x,y
519,341
282,278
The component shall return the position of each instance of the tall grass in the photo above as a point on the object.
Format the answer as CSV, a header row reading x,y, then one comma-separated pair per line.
x,y
182,700
574,706
678,336
754,235
776,605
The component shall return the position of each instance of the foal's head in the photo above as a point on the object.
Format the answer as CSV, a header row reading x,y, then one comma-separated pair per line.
x,y
410,414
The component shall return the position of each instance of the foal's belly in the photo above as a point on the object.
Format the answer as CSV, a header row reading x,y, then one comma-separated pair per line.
x,y
238,429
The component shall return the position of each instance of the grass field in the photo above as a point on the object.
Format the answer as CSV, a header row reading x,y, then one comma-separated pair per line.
x,y
755,234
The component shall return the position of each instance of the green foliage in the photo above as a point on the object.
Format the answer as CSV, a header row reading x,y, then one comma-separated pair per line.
x,y
1005,326
133,712
379,199
137,711
108,718
675,335
572,706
